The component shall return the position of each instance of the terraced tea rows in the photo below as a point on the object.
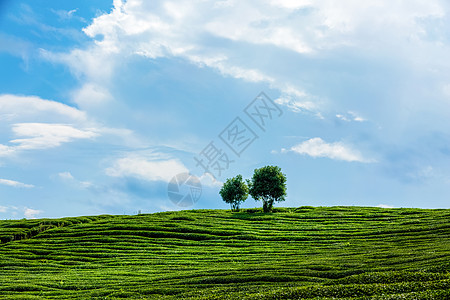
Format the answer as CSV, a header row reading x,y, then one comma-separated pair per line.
x,y
293,253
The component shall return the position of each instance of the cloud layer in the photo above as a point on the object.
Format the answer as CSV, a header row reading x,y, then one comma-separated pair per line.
x,y
145,169
316,147
33,108
16,184
212,34
30,135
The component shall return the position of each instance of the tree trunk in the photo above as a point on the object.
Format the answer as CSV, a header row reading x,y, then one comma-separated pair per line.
x,y
267,205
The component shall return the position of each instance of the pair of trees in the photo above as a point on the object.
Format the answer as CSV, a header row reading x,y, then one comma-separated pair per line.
x,y
267,184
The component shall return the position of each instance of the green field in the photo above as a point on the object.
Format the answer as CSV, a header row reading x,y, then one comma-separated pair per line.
x,y
292,253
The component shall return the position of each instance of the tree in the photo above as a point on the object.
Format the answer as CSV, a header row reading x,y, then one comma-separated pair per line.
x,y
268,184
234,191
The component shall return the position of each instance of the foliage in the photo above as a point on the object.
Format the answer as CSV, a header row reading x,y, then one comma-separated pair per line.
x,y
293,253
234,191
268,184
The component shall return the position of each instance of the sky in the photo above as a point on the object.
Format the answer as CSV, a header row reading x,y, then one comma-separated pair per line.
x,y
105,105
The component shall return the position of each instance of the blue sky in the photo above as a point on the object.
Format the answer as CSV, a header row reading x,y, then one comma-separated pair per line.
x,y
102,103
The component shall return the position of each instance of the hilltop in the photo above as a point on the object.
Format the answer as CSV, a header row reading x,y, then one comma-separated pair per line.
x,y
292,253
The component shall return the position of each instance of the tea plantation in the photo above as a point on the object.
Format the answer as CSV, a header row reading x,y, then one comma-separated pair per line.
x,y
292,253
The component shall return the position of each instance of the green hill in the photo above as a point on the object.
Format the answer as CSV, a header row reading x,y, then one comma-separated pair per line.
x,y
293,253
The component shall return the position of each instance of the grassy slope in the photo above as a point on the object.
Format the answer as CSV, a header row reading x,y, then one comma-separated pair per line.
x,y
293,253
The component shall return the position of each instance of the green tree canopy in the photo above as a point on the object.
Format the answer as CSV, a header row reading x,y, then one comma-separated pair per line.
x,y
268,184
234,191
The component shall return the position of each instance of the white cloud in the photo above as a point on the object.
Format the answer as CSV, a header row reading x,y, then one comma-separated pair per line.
x,y
161,30
63,123
342,117
91,95
296,105
6,150
385,206
185,29
246,29
29,108
292,4
43,136
11,209
228,69
420,174
146,169
15,184
68,177
350,116
65,14
31,213
23,114
207,179
65,176
95,63
14,210
298,100
316,147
